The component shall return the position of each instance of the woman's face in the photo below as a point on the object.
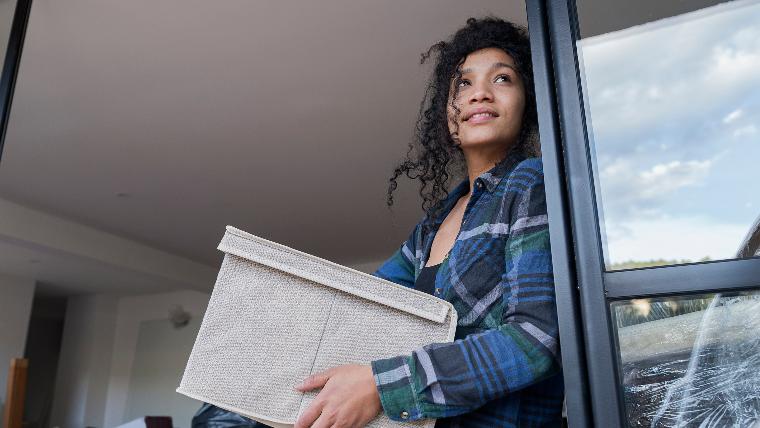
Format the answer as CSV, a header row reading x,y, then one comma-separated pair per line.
x,y
490,99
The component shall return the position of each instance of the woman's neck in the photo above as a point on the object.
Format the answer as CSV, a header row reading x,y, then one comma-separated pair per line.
x,y
480,160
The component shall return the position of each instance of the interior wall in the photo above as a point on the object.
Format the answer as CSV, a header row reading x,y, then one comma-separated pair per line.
x,y
368,267
80,259
130,361
134,313
82,377
43,348
16,297
101,344
159,362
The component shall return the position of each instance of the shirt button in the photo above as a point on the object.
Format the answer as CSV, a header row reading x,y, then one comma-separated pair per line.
x,y
437,291
404,415
479,184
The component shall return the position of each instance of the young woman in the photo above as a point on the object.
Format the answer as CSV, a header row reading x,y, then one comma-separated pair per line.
x,y
484,247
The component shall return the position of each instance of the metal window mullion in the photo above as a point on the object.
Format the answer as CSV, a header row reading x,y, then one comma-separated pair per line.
x,y
606,401
728,275
568,302
11,63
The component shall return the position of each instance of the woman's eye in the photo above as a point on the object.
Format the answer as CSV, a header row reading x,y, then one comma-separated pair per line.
x,y
502,78
463,82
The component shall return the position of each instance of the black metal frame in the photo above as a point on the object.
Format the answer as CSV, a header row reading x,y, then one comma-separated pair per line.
x,y
584,289
11,63
568,305
718,276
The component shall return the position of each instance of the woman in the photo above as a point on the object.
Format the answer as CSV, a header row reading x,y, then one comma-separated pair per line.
x,y
484,247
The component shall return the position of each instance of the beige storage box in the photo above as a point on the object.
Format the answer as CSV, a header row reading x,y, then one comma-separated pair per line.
x,y
278,315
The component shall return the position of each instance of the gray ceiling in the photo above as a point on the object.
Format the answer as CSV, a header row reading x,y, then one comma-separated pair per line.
x,y
283,118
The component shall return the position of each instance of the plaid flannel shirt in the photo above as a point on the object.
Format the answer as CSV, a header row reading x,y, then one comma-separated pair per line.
x,y
503,368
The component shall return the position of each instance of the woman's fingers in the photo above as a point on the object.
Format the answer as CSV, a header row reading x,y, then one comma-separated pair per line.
x,y
310,415
325,421
314,381
348,398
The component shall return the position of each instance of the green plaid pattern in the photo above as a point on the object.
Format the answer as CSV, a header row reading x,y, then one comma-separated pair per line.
x,y
503,369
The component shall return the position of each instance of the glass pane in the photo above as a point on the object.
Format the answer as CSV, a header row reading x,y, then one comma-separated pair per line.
x,y
690,361
673,118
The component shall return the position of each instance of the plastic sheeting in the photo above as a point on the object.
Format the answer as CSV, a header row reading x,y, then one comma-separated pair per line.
x,y
700,368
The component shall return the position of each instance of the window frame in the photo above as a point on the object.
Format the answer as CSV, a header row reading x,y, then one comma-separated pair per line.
x,y
11,64
584,289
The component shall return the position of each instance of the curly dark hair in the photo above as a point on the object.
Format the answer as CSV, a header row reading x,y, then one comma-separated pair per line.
x,y
434,156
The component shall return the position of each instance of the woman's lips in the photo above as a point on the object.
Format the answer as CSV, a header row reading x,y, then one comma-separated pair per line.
x,y
481,118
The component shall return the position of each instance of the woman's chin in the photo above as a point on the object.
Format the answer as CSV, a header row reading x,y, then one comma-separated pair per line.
x,y
478,142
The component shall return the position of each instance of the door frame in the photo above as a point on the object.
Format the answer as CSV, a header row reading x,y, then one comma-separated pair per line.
x,y
584,289
11,63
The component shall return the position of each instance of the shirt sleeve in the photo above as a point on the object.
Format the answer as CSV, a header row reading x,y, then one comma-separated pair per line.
x,y
443,380
399,268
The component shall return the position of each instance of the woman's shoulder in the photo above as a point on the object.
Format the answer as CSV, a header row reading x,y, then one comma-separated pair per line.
x,y
528,164
527,171
523,190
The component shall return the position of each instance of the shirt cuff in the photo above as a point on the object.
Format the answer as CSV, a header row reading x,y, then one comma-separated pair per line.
x,y
394,384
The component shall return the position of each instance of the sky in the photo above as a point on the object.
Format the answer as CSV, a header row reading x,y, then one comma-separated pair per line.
x,y
674,108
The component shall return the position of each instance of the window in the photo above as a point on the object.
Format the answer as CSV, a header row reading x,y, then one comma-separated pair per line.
x,y
650,128
690,360
672,112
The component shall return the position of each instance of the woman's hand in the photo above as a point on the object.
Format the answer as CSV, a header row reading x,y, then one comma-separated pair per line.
x,y
349,398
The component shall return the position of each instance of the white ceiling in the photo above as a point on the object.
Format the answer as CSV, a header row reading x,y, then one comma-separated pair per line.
x,y
283,118
61,275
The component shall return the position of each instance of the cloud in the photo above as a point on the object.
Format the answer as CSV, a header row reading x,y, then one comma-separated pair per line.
x,y
738,58
663,101
663,179
745,131
690,238
731,117
630,192
703,67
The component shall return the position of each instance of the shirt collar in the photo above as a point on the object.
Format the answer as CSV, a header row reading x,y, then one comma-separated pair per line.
x,y
495,175
490,180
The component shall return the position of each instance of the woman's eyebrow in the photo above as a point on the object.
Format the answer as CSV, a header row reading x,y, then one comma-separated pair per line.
x,y
502,65
493,67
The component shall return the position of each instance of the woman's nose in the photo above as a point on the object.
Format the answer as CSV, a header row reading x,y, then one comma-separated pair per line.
x,y
481,92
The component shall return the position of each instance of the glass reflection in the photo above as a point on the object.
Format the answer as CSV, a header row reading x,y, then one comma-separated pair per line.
x,y
673,116
690,361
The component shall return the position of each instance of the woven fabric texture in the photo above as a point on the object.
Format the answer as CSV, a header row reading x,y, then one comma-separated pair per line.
x,y
277,315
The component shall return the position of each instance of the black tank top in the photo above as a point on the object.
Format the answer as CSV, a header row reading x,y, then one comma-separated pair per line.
x,y
426,282
426,279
